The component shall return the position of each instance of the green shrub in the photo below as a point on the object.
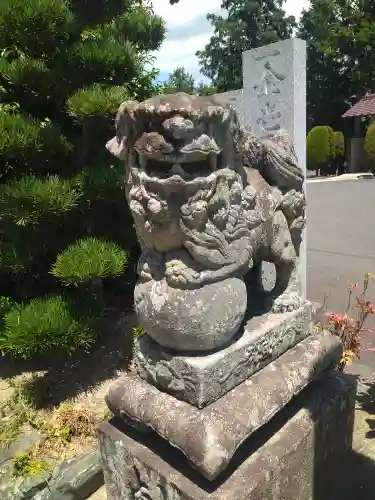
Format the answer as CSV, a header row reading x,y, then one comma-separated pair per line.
x,y
27,200
89,259
370,142
319,147
105,57
331,142
44,325
29,74
24,139
97,100
339,140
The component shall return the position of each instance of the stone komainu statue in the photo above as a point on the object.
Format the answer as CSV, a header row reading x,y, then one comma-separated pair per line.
x,y
210,202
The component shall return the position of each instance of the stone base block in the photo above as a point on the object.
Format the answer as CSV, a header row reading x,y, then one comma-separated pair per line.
x,y
210,437
200,380
298,455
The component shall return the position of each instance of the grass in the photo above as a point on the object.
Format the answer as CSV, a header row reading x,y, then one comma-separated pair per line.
x,y
64,430
25,465
62,400
17,411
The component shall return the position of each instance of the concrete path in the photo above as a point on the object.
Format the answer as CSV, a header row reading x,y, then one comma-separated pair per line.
x,y
341,245
343,177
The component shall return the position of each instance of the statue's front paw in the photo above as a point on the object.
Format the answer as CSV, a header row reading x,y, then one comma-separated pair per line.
x,y
144,273
150,266
286,302
179,275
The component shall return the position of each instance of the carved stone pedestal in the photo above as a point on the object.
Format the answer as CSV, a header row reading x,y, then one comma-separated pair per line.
x,y
209,437
298,455
202,379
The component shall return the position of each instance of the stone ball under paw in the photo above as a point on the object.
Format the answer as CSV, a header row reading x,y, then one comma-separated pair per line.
x,y
203,319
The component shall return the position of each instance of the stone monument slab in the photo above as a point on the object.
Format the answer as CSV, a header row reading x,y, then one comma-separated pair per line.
x,y
274,99
201,380
299,455
209,437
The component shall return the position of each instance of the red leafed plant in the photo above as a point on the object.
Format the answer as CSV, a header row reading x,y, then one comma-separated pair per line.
x,y
349,329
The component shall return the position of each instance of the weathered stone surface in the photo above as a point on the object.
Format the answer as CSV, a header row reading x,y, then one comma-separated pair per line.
x,y
20,445
24,488
299,455
201,380
75,479
274,98
210,437
191,320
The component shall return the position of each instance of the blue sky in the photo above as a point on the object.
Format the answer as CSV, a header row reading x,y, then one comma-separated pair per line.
x,y
189,31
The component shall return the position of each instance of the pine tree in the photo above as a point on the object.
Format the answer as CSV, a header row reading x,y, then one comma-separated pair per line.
x,y
249,24
65,66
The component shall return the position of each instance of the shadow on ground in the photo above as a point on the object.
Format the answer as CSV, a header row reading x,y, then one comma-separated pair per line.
x,y
358,482
358,474
65,377
366,402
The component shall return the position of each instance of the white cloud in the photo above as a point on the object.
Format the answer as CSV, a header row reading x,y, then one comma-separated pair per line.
x,y
189,31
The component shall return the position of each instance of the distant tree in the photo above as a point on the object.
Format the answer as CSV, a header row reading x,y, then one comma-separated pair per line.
x,y
205,89
248,24
181,80
340,36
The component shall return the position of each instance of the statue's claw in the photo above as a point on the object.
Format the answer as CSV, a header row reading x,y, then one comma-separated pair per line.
x,y
287,302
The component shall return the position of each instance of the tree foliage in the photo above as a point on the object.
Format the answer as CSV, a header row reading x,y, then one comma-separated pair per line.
x,y
65,67
340,36
181,80
249,24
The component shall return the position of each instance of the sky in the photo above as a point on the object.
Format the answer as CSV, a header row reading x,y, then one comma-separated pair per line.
x,y
189,31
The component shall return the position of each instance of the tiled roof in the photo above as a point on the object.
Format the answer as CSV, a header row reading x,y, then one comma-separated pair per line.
x,y
364,107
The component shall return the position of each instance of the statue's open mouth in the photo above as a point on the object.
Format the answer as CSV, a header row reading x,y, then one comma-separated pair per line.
x,y
161,159
183,166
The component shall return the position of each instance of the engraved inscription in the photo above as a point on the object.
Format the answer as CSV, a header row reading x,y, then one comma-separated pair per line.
x,y
266,90
267,53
